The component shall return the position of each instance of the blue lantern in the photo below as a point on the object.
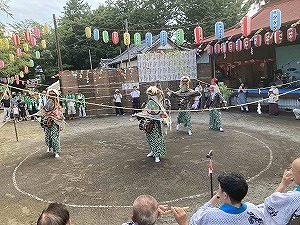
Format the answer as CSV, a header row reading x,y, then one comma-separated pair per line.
x,y
163,38
219,30
148,38
96,35
275,19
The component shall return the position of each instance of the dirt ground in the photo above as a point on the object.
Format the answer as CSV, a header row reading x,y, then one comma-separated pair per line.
x,y
104,167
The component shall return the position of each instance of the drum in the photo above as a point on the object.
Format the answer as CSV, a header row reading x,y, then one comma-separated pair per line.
x,y
46,121
146,125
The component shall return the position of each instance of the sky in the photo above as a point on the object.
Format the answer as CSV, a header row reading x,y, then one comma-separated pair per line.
x,y
38,10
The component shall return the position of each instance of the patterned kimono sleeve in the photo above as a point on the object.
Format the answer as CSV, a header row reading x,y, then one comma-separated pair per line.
x,y
153,108
280,207
199,218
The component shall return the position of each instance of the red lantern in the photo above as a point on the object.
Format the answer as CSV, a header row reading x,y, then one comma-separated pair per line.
x,y
198,33
19,52
291,34
209,50
278,36
247,43
246,26
115,37
33,41
231,46
257,40
268,38
27,35
1,64
37,33
217,48
224,48
26,70
238,45
16,40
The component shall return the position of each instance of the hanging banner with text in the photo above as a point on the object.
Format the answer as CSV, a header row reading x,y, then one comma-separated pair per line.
x,y
166,66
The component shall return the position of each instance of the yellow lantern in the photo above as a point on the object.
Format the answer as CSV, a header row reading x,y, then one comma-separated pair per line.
x,y
6,43
126,39
11,57
21,74
43,42
46,29
88,32
25,47
1,43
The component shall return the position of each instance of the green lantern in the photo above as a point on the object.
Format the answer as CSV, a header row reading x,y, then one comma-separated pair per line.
x,y
137,39
31,63
37,54
179,37
105,36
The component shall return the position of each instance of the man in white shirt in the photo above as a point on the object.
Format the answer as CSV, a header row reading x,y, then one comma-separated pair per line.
x,y
280,207
232,189
135,95
296,110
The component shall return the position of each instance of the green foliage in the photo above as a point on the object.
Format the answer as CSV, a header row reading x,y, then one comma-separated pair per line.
x,y
226,93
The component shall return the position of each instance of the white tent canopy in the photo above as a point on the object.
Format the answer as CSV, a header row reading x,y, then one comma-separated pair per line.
x,y
55,85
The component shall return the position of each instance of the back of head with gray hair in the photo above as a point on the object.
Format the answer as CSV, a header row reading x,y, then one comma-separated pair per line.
x,y
145,210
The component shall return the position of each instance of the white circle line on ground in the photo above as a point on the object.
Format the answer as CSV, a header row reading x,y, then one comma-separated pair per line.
x,y
270,156
127,206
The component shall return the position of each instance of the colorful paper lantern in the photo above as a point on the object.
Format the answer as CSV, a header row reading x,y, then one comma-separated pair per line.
x,y
19,52
278,37
88,32
36,32
163,38
43,43
223,48
198,33
126,37
231,46
26,69
37,54
137,39
247,43
291,34
46,29
11,57
16,40
27,35
257,40
6,43
105,36
1,44
219,30
33,41
217,48
238,45
275,19
246,26
209,50
21,74
25,47
1,64
31,63
148,39
115,37
268,38
179,36
96,34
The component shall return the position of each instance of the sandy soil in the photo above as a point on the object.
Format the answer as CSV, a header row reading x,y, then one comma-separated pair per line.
x,y
104,165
